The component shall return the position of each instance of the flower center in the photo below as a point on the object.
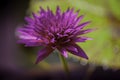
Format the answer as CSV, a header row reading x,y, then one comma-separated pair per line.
x,y
60,40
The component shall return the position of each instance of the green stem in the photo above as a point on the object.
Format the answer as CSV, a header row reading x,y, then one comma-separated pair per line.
x,y
64,63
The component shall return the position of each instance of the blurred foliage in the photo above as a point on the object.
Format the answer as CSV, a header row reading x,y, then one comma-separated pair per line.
x,y
105,14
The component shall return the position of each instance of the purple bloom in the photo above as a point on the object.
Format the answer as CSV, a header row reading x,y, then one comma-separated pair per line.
x,y
58,31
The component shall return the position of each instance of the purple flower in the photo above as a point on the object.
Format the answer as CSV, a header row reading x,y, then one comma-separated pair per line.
x,y
58,31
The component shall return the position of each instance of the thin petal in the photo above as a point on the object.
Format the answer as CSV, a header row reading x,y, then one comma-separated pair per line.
x,y
24,33
26,36
77,33
81,39
31,42
82,25
58,11
78,20
43,54
68,16
29,20
42,11
63,52
77,51
68,31
49,13
85,31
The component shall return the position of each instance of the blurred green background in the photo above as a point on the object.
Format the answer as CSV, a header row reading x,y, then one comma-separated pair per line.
x,y
104,49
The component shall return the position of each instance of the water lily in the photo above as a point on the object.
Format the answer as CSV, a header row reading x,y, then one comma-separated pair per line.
x,y
59,30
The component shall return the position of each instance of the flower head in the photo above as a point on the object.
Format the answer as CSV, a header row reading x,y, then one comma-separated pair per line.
x,y
53,31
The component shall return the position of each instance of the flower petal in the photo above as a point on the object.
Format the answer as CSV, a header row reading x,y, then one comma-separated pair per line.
x,y
29,20
85,31
63,52
26,32
43,54
31,42
58,11
78,20
77,51
81,39
82,25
